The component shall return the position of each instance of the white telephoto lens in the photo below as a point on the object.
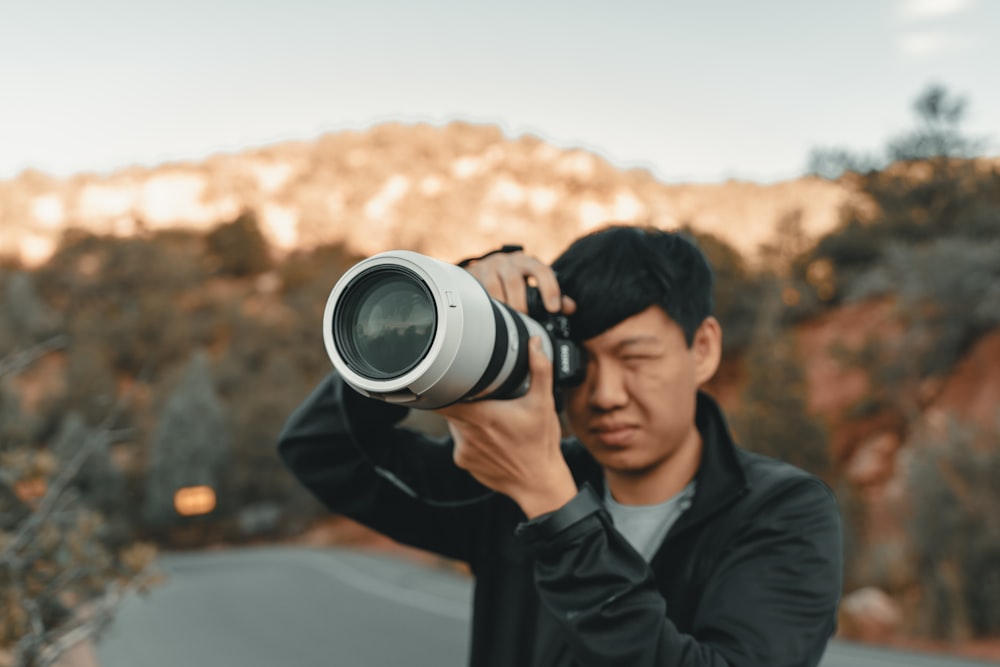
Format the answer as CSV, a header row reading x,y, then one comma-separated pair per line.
x,y
410,329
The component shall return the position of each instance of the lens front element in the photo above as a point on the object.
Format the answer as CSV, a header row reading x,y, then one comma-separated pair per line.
x,y
385,324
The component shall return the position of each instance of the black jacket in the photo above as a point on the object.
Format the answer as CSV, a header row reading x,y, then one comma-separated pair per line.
x,y
750,574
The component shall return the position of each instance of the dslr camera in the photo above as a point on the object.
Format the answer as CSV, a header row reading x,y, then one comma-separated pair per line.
x,y
406,328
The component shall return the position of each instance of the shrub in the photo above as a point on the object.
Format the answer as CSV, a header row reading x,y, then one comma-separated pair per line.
x,y
927,189
239,247
948,296
62,574
191,443
955,529
737,290
772,417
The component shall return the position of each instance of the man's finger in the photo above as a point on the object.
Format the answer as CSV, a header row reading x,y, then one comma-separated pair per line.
x,y
568,305
505,278
540,365
547,284
515,289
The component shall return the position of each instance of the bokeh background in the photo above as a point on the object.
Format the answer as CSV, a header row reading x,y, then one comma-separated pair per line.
x,y
181,185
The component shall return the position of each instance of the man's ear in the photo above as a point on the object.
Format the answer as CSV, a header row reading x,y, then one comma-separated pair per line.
x,y
707,349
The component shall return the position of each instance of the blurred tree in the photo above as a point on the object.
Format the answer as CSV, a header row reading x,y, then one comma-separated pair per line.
x,y
947,296
737,290
922,235
60,578
833,163
99,480
91,380
239,247
120,296
937,135
190,446
140,307
955,529
773,417
788,245
261,377
28,315
307,277
926,189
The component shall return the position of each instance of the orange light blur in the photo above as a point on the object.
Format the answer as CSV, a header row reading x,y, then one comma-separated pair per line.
x,y
30,490
194,500
790,296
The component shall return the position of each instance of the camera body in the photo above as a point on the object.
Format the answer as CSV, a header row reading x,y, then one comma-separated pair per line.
x,y
568,367
406,328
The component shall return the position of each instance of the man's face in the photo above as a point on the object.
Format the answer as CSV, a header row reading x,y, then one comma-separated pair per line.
x,y
635,408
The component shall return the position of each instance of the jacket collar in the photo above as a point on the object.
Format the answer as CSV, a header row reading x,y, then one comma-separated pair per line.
x,y
720,479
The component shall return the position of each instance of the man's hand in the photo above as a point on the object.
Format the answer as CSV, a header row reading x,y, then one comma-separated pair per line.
x,y
512,446
504,276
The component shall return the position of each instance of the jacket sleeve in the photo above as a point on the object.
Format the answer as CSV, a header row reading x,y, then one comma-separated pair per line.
x,y
771,599
349,451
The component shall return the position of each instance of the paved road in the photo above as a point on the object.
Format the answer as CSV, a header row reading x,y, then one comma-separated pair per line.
x,y
299,607
292,607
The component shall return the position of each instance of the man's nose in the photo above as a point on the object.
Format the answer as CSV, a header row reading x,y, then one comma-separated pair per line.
x,y
607,388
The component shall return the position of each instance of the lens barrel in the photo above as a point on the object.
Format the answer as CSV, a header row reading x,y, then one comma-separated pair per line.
x,y
407,328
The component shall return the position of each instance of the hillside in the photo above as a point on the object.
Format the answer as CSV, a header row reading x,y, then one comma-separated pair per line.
x,y
447,191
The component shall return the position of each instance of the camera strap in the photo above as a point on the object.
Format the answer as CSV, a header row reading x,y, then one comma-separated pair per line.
x,y
502,249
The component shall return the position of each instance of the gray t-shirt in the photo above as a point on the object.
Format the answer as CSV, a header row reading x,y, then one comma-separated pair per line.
x,y
645,526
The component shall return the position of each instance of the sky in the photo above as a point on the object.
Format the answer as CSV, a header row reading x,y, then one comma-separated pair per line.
x,y
693,91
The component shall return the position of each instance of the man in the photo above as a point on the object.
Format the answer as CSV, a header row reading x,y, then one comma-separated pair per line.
x,y
648,538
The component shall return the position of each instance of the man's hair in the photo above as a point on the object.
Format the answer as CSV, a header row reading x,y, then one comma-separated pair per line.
x,y
621,270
